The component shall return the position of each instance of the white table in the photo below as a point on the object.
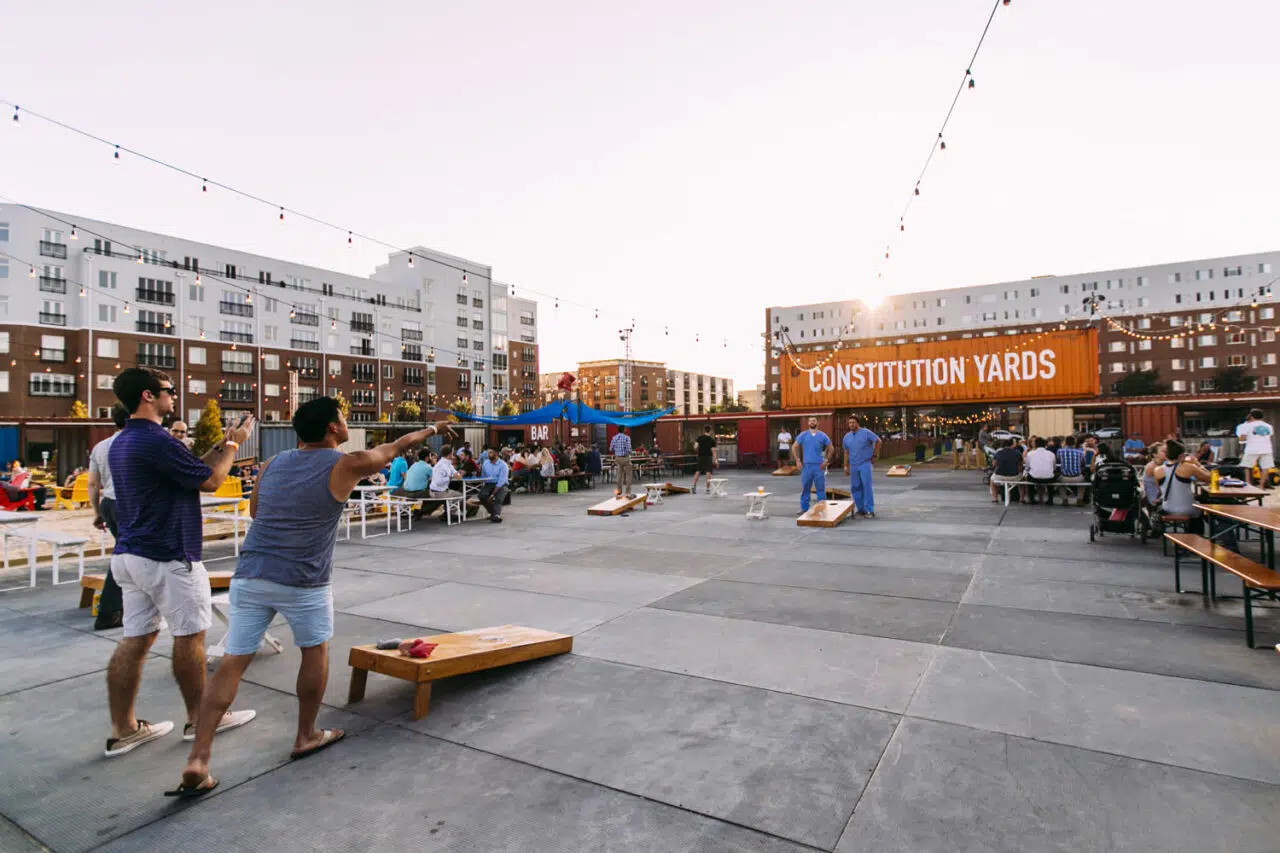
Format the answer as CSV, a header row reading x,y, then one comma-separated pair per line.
x,y
475,484
757,504
221,603
655,493
367,496
8,516
56,542
207,504
717,487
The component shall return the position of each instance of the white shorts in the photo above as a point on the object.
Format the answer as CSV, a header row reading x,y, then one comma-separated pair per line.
x,y
1264,460
176,590
1002,478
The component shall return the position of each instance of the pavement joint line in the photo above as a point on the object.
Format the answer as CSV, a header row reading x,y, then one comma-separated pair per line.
x,y
1120,619
395,721
831,589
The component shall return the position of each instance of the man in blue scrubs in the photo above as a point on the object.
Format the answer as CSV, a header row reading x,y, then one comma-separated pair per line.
x,y
812,452
861,447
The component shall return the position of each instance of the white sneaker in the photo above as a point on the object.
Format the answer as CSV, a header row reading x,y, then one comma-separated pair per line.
x,y
146,732
230,720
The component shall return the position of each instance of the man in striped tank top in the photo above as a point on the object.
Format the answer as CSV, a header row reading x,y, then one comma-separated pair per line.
x,y
284,568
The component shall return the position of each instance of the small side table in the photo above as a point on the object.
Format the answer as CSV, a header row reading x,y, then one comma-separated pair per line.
x,y
758,504
717,487
655,493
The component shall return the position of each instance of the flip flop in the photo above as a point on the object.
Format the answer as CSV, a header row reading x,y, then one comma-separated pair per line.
x,y
190,792
327,738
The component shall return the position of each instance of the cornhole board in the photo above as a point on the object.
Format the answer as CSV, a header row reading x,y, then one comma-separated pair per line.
x,y
672,489
617,506
834,493
454,654
899,471
786,471
826,514
89,584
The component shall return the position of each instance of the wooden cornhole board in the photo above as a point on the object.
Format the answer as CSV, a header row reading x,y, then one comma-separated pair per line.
x,y
786,471
834,493
616,506
899,471
454,654
89,584
672,489
826,514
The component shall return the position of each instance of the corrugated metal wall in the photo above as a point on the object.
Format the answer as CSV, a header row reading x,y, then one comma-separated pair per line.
x,y
1051,422
1153,423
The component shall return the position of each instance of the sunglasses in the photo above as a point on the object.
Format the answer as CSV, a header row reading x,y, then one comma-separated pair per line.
x,y
166,389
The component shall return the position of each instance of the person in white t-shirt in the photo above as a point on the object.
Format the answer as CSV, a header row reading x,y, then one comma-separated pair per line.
x,y
784,447
1042,470
442,472
1255,434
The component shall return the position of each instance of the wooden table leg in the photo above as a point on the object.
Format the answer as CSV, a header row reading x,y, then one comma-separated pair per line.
x,y
86,596
422,700
359,677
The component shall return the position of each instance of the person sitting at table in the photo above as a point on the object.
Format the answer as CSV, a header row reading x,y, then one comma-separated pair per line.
x,y
594,466
1134,448
1176,478
519,476
1042,470
1070,468
20,478
442,476
1205,454
466,464
416,478
1102,456
491,494
1150,488
399,467
1008,467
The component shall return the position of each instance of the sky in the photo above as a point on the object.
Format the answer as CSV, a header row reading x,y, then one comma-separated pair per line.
x,y
683,165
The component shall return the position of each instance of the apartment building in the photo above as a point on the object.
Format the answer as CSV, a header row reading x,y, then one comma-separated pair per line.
x,y
522,345
1155,300
616,385
695,393
81,299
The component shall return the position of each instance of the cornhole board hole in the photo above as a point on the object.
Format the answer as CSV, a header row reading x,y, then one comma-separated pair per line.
x,y
826,514
616,506
672,489
786,471
454,654
834,494
89,584
899,471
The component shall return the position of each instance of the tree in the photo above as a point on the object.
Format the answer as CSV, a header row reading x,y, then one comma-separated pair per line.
x,y
736,406
79,410
1233,379
1141,383
463,406
208,431
507,409
408,410
344,405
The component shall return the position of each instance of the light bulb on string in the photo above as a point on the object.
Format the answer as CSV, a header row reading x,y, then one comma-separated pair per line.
x,y
204,185
139,260
917,189
126,308
411,260
292,314
282,214
74,235
116,156
32,274
82,291
349,244
16,121
197,279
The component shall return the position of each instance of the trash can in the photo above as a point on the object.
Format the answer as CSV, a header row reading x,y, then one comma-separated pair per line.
x,y
920,451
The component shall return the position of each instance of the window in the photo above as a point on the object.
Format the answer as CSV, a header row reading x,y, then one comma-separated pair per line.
x,y
1140,281
1204,275
106,313
1117,346
197,355
1144,323
1117,367
1177,299
388,371
52,385
1266,313
1144,345
1206,384
1267,382
1010,295
270,333
104,381
4,342
1179,385
156,355
1145,365
1178,342
236,331
1261,267
1207,341
1230,271
1115,284
108,348
1035,291
1088,285
4,232
1175,277
270,390
1269,358
1235,361
197,386
1142,301
4,268
271,361
53,313
1178,364
195,293
237,362
335,367
1209,361
1235,337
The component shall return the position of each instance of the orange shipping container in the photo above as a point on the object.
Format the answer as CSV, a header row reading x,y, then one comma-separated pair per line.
x,y
1046,366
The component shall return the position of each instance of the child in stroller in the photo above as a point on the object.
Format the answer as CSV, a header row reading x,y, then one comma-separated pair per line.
x,y
1115,500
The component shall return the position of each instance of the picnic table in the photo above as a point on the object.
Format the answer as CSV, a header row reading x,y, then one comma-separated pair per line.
x,y
1224,518
1230,494
210,504
8,516
475,484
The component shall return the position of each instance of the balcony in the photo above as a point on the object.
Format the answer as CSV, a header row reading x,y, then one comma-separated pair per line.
x,y
51,319
154,328
45,386
236,395
51,284
236,309
410,334
410,379
462,322
54,355
365,350
362,325
237,367
155,297
413,353
363,377
152,360
307,345
308,372
301,319
462,297
526,321
235,337
53,250
477,303
478,325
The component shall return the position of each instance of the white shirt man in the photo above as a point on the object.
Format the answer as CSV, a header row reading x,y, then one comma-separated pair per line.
x,y
441,474
1040,464
1256,435
784,446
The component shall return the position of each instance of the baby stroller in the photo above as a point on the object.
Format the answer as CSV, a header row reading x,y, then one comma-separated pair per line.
x,y
1115,500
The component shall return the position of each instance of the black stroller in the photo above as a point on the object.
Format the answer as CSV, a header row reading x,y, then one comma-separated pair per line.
x,y
1116,493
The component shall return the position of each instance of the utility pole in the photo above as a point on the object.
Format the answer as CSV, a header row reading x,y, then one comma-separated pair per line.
x,y
624,391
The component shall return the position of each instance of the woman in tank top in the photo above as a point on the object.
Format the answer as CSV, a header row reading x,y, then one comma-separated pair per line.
x,y
1177,478
1150,488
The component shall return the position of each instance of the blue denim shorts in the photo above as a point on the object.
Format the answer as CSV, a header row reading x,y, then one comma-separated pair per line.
x,y
255,602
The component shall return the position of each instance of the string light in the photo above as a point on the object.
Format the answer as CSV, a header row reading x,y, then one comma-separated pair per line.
x,y
116,156
198,279
32,274
204,185
16,122
282,214
74,235
411,260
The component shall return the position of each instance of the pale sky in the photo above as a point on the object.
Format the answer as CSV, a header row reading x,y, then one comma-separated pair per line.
x,y
683,163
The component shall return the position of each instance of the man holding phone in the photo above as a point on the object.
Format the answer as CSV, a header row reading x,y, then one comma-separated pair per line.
x,y
157,559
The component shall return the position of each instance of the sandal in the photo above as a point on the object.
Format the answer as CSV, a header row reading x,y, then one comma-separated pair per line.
x,y
190,792
328,737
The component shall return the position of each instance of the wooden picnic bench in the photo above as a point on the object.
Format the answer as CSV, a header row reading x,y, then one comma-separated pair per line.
x,y
454,654
89,584
1260,583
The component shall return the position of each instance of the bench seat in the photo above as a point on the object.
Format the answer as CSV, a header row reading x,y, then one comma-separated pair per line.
x,y
92,583
1260,582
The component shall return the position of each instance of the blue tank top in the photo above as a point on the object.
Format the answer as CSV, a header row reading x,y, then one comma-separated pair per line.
x,y
292,537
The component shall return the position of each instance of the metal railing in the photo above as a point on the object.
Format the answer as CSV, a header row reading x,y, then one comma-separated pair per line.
x,y
236,337
52,319
236,367
410,334
52,284
57,355
309,345
154,328
361,326
300,319
157,297
236,309
53,250
236,395
42,386
151,360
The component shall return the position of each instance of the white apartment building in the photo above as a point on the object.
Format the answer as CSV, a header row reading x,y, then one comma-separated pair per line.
x,y
1187,287
695,393
80,299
